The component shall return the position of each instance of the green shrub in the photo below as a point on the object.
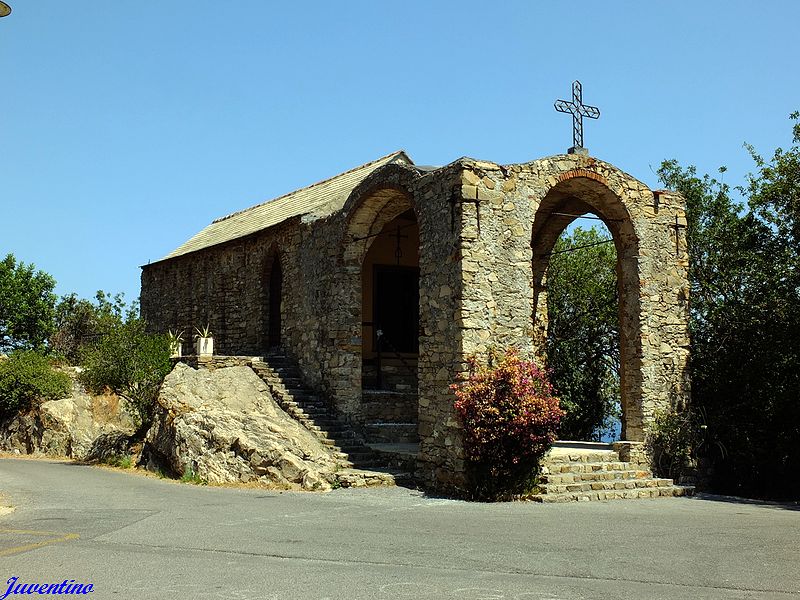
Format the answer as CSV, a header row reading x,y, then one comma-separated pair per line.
x,y
130,362
27,376
674,437
124,461
189,476
744,272
509,418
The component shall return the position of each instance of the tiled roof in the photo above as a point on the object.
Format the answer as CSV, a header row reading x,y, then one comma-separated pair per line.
x,y
332,192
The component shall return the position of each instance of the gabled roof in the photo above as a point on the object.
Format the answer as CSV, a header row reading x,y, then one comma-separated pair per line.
x,y
332,192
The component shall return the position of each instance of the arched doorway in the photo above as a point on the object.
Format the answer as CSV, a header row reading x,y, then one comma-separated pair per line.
x,y
390,306
565,202
382,259
273,292
582,344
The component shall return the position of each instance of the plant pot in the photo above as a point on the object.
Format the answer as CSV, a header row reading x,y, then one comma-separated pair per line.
x,y
204,346
176,350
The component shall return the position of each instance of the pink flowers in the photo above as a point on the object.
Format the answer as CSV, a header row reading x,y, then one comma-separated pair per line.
x,y
509,416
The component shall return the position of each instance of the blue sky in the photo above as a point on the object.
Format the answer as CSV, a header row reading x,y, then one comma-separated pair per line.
x,y
127,127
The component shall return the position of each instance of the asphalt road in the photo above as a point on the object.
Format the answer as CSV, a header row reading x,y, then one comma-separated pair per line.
x,y
138,537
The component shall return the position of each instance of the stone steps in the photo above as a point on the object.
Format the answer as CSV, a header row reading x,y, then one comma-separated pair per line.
x,y
357,462
626,494
598,475
402,456
575,472
395,375
356,478
592,467
615,484
390,416
380,432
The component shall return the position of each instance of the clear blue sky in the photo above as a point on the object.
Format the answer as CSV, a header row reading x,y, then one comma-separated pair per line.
x,y
126,127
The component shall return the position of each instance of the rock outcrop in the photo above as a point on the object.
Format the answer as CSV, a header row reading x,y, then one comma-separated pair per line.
x,y
69,427
224,426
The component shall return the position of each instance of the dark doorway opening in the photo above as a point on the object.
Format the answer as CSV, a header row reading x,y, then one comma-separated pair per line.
x,y
275,297
390,321
396,308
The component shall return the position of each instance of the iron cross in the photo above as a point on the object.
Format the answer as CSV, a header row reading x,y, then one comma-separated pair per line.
x,y
578,110
677,227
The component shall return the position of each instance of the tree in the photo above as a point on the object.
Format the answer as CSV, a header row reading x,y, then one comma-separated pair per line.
x,y
744,270
26,305
78,321
774,191
127,360
582,334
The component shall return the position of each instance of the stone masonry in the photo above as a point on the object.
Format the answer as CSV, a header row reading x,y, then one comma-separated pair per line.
x,y
485,231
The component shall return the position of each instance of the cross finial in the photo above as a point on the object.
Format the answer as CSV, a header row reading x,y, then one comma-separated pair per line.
x,y
578,110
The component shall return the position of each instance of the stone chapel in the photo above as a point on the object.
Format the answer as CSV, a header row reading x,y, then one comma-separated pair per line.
x,y
381,281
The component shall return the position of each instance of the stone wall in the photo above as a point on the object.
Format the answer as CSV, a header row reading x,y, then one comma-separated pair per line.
x,y
223,287
389,406
212,363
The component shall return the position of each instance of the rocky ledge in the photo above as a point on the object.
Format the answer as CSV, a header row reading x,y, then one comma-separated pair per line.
x,y
223,426
78,426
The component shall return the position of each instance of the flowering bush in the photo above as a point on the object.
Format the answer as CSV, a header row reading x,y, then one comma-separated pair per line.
x,y
510,417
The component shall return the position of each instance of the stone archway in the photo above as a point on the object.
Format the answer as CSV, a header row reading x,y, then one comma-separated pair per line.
x,y
561,205
377,216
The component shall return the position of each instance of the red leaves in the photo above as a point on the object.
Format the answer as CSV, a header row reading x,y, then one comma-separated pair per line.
x,y
508,413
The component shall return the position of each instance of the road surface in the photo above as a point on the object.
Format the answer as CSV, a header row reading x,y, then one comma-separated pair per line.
x,y
140,537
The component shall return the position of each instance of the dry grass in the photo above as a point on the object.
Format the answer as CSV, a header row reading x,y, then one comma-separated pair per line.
x,y
38,456
5,506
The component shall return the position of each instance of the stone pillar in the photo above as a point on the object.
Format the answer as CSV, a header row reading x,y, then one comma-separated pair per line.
x,y
664,298
441,462
497,297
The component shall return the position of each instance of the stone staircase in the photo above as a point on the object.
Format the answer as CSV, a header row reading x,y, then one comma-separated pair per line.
x,y
399,375
582,471
390,417
359,464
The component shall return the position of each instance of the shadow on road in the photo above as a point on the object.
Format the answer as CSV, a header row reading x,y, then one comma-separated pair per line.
x,y
747,501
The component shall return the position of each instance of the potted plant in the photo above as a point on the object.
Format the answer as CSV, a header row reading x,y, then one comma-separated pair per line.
x,y
204,342
175,343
